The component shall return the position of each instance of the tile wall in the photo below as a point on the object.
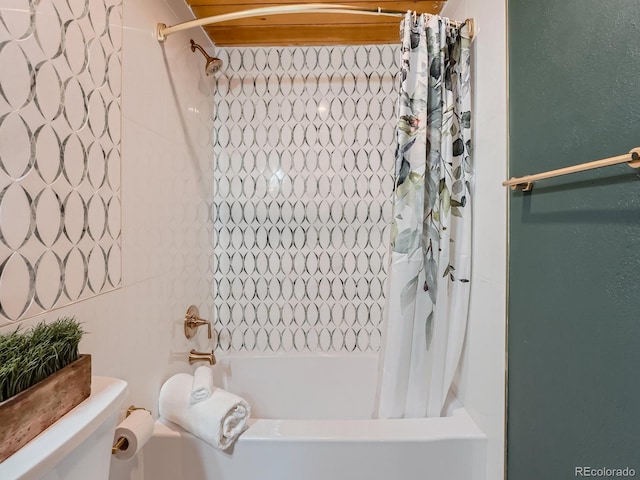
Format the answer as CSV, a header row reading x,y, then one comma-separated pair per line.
x,y
163,180
304,144
60,208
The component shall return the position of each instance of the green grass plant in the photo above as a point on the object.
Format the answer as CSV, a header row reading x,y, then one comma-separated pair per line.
x,y
28,357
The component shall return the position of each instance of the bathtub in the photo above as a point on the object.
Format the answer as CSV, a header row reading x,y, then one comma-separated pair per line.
x,y
312,420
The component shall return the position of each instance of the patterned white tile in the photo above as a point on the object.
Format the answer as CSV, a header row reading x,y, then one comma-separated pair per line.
x,y
59,153
304,176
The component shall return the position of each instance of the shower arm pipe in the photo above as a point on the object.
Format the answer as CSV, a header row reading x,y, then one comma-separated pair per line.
x,y
163,31
194,45
525,184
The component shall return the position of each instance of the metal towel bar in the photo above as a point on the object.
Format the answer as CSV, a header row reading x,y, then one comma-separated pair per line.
x,y
526,183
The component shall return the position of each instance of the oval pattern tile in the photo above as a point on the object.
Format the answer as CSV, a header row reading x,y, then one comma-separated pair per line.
x,y
75,160
17,286
48,91
16,85
96,218
48,153
62,52
75,217
97,114
75,104
75,274
114,265
75,47
48,212
48,280
98,62
16,147
96,165
314,183
18,217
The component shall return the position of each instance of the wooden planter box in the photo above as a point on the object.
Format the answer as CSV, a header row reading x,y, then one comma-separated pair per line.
x,y
27,414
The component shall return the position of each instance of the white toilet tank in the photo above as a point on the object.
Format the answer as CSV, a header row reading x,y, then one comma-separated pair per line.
x,y
76,447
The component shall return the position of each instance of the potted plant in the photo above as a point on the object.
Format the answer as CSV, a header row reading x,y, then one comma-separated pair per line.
x,y
42,377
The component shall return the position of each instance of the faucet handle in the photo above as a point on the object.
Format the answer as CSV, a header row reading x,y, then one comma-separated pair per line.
x,y
192,321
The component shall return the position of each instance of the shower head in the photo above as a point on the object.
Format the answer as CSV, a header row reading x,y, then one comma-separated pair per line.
x,y
213,64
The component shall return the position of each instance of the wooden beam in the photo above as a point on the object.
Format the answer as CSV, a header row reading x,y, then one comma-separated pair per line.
x,y
308,29
355,3
354,34
305,18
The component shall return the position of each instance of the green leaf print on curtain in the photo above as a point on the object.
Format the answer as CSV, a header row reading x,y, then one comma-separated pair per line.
x,y
428,290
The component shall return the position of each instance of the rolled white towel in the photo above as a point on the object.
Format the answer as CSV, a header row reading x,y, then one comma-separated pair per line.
x,y
202,384
218,420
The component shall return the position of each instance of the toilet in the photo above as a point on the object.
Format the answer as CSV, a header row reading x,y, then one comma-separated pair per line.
x,y
77,446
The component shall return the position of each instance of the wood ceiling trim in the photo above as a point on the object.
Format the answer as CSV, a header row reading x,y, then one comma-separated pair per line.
x,y
307,28
305,18
354,3
355,34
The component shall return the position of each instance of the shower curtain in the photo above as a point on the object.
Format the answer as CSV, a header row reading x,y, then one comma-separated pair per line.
x,y
428,289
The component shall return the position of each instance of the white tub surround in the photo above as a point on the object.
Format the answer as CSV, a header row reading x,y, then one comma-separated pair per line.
x,y
313,421
302,386
451,448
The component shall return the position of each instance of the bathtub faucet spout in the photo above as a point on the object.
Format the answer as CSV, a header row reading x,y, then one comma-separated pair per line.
x,y
202,356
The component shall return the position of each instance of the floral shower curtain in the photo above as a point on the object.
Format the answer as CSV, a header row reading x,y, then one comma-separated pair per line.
x,y
428,290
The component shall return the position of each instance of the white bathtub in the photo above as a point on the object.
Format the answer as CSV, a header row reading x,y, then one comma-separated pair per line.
x,y
312,421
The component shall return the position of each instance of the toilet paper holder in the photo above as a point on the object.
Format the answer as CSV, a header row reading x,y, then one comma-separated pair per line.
x,y
122,443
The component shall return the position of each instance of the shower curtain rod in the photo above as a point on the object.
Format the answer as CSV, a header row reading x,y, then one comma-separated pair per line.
x,y
163,31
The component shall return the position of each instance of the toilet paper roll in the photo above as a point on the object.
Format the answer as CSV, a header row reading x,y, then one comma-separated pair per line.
x,y
137,428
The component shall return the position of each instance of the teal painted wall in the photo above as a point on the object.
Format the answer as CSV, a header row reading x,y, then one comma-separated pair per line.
x,y
574,266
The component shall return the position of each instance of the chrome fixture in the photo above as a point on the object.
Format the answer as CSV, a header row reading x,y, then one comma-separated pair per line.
x,y
192,321
213,64
202,357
